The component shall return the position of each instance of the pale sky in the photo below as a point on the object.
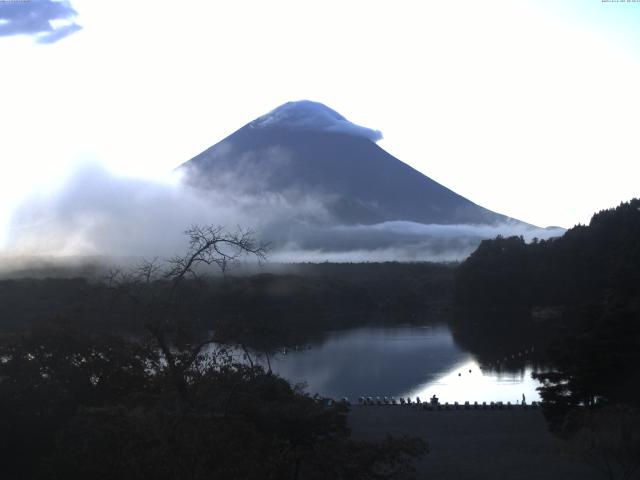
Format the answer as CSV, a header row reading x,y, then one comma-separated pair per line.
x,y
529,108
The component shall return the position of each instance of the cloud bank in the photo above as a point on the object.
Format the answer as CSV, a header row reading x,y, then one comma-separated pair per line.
x,y
308,115
396,241
47,20
97,213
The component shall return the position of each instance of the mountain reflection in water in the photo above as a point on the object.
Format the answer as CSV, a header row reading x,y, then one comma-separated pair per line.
x,y
399,361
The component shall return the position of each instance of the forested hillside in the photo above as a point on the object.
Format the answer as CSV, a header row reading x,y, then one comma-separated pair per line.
x,y
598,261
591,279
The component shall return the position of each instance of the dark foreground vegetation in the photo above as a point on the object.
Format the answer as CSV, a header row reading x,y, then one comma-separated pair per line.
x,y
77,405
587,283
121,380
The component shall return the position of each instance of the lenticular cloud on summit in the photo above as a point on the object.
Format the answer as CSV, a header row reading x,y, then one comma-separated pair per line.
x,y
308,115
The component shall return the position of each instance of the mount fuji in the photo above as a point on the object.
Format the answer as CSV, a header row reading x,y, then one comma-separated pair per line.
x,y
307,147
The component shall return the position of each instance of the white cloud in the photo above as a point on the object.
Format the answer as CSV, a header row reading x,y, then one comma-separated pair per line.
x,y
98,213
308,115
395,241
47,20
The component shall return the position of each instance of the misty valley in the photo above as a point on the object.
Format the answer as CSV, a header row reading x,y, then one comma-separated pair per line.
x,y
105,366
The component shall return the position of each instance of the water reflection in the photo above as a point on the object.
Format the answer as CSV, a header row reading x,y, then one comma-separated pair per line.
x,y
400,361
467,382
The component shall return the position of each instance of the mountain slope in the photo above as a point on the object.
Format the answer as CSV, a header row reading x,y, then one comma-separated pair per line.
x,y
307,147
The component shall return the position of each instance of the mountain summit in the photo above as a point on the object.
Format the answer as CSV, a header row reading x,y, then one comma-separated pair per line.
x,y
308,115
307,147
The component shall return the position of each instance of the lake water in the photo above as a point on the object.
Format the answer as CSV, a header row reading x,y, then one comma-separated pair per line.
x,y
400,361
